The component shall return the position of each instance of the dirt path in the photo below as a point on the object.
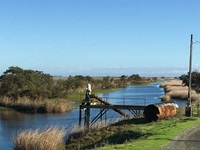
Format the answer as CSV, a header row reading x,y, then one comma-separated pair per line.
x,y
188,140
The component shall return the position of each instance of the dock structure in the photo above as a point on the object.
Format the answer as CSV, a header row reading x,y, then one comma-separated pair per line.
x,y
108,105
104,106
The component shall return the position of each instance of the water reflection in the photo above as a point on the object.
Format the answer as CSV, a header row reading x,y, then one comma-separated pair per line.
x,y
135,95
12,121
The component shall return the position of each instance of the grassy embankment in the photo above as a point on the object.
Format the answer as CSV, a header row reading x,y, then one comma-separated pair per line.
x,y
134,134
155,135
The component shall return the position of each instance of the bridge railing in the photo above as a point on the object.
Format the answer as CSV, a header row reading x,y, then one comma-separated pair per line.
x,y
126,101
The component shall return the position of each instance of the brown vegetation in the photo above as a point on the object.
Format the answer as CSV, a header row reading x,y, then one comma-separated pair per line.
x,y
174,89
47,139
45,106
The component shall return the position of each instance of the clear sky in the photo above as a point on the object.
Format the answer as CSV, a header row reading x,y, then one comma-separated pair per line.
x,y
100,37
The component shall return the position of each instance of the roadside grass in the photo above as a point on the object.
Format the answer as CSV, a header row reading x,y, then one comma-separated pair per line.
x,y
158,134
134,134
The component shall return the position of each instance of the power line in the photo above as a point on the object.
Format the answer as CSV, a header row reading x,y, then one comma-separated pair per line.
x,y
196,42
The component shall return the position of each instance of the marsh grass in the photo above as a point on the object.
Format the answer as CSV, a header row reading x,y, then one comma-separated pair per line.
x,y
175,90
180,94
40,139
33,106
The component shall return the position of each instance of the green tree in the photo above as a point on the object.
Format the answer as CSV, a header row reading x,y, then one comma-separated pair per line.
x,y
123,81
59,89
135,79
107,82
16,82
195,82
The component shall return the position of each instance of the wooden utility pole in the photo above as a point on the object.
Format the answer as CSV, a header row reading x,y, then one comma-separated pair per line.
x,y
189,106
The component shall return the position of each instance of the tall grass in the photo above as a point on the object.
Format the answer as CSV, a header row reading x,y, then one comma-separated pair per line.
x,y
180,94
47,139
175,90
45,106
172,82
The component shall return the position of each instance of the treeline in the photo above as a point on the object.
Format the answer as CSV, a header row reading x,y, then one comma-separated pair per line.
x,y
195,80
17,82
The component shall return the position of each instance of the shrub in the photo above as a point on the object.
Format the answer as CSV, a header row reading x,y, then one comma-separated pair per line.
x,y
16,82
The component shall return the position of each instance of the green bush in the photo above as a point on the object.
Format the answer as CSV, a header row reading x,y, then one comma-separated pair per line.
x,y
16,82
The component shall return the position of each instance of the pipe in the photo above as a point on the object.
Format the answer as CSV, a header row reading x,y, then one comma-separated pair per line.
x,y
156,112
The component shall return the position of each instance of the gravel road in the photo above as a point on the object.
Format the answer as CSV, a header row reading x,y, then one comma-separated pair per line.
x,y
188,140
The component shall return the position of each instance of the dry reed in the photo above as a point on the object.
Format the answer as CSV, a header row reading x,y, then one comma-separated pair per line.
x,y
27,105
175,90
172,82
47,139
180,94
169,88
56,106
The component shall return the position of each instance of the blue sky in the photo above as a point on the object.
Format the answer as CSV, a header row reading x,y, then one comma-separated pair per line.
x,y
100,37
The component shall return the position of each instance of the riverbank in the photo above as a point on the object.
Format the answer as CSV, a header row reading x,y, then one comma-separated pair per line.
x,y
174,89
134,134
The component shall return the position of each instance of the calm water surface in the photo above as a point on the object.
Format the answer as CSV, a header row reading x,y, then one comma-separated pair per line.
x,y
11,121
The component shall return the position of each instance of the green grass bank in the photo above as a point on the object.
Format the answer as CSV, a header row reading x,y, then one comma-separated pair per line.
x,y
134,134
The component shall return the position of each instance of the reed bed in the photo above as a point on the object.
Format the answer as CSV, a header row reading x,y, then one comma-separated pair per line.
x,y
169,88
34,106
172,83
175,90
40,139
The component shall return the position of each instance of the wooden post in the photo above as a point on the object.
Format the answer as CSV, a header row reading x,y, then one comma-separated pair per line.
x,y
87,110
80,116
189,105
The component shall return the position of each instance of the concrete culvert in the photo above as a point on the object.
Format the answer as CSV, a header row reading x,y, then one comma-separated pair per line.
x,y
154,112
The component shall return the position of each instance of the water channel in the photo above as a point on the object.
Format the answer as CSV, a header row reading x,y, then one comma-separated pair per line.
x,y
11,121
